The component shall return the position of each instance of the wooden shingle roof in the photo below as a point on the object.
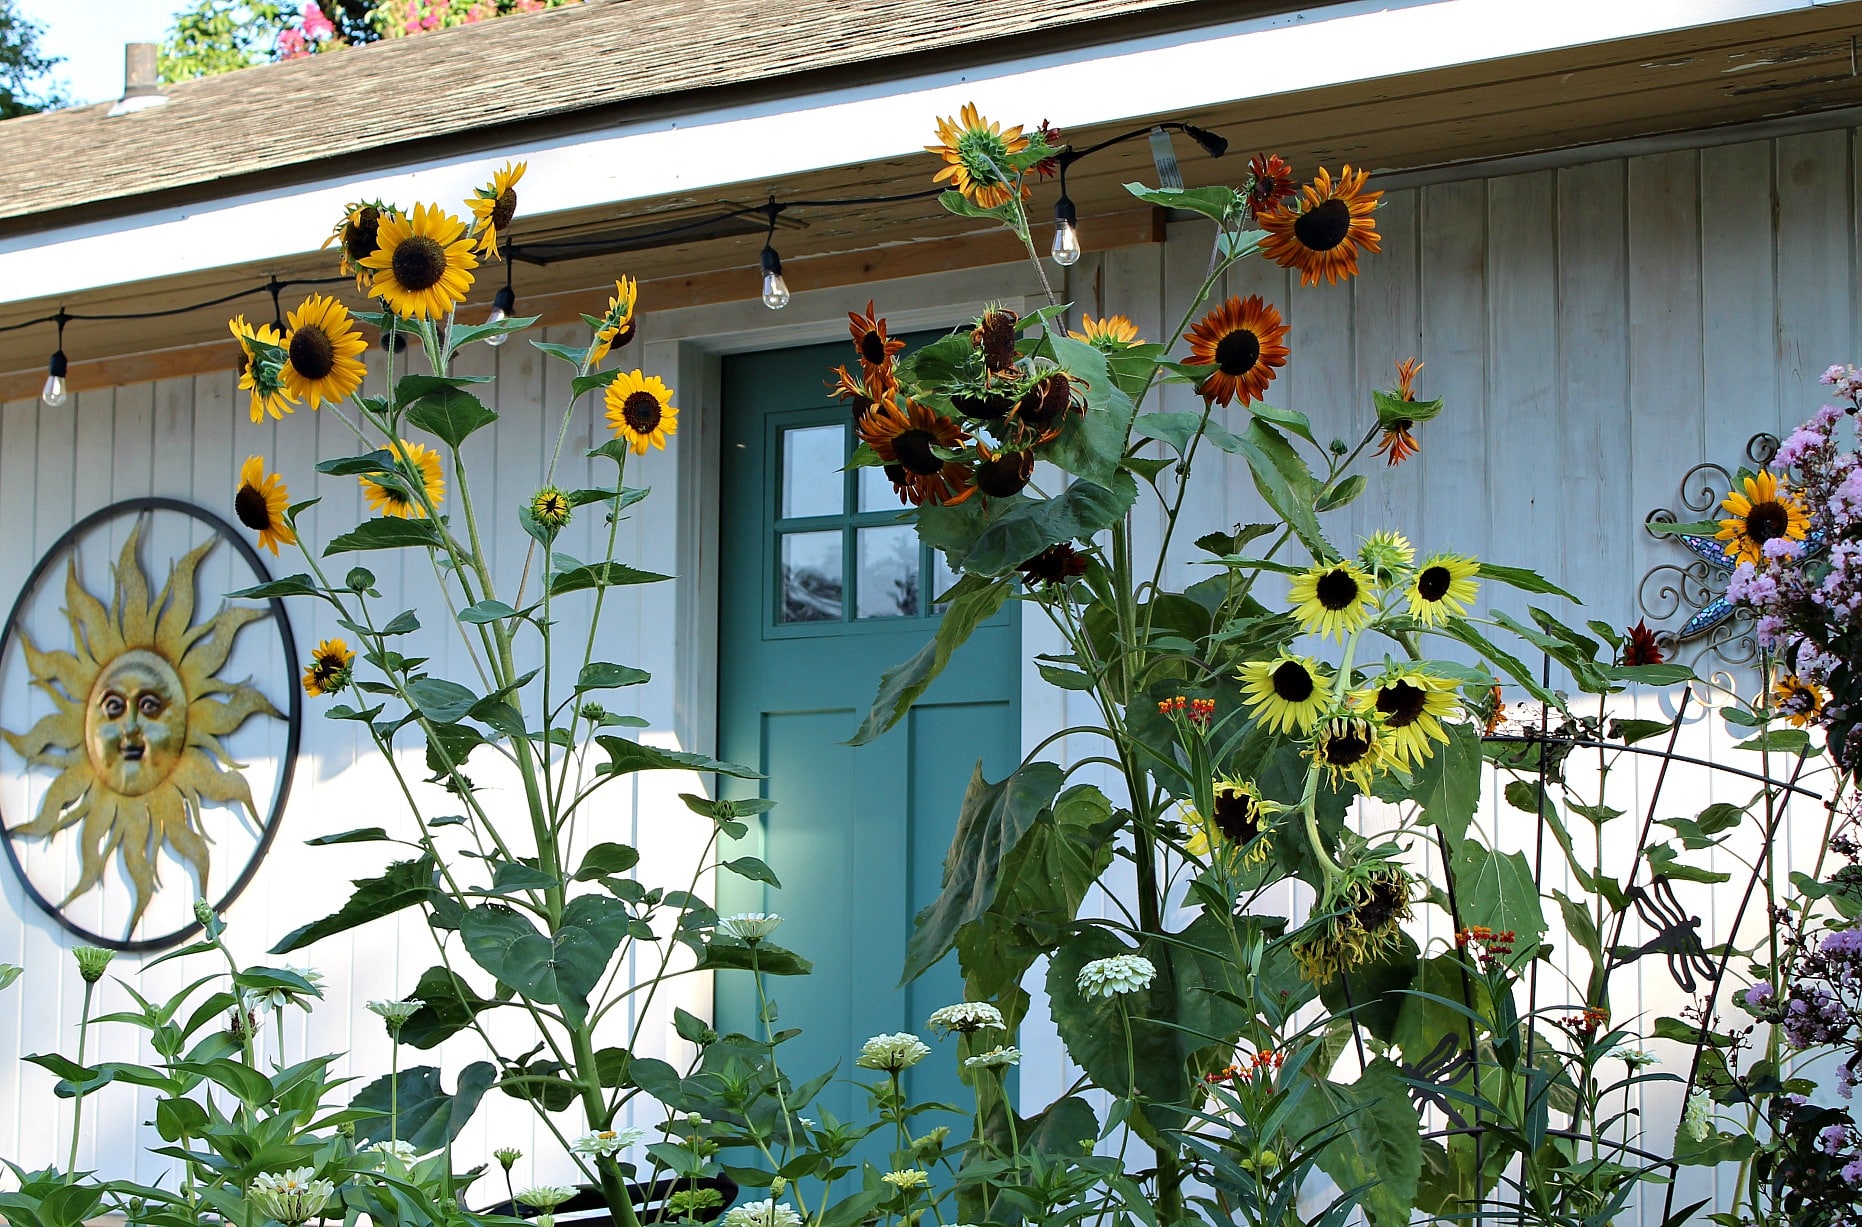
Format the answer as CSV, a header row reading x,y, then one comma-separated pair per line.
x,y
603,59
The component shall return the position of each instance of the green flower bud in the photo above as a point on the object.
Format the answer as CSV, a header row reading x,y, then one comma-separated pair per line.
x,y
91,961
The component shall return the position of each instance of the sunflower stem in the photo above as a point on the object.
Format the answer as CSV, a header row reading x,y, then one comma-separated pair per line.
x,y
77,1101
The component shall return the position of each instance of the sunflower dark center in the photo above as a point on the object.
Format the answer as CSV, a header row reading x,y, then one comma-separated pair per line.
x,y
1432,584
896,474
1236,816
1383,905
1401,703
362,236
1004,475
642,412
1346,745
1336,590
1237,352
1324,226
1767,520
419,263
873,347
312,355
506,208
913,448
1292,682
252,509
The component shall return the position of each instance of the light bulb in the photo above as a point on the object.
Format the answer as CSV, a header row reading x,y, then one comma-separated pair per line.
x,y
775,289
55,393
1066,249
501,307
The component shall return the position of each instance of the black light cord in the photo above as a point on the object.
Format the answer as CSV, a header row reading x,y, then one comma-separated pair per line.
x,y
60,316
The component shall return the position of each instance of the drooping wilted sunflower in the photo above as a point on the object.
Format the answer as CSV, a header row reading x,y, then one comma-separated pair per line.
x,y
976,153
1797,699
1442,588
1361,926
1333,598
1245,341
1413,703
1323,230
1239,819
1351,748
262,370
904,438
995,335
322,351
494,205
1002,474
640,410
1054,566
329,669
617,326
1398,444
1764,511
422,264
1287,693
260,504
1042,409
1109,335
139,715
417,465
871,342
358,235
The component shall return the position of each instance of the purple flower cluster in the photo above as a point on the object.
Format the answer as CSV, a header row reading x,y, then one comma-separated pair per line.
x,y
1814,1015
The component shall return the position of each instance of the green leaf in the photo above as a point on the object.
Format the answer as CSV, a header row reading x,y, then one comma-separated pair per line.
x,y
448,1006
992,820
1285,482
752,868
1216,203
386,533
1693,528
604,859
1381,1142
604,676
1497,890
427,1117
451,414
560,970
971,602
1090,445
601,575
404,623
405,884
1449,783
486,611
588,383
626,755
1651,675
361,835
463,335
441,701
379,461
574,355
1344,492
290,585
768,958
1286,419
1521,578
1081,510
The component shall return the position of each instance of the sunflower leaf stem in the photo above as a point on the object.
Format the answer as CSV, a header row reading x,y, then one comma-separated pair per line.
x,y
601,593
1176,509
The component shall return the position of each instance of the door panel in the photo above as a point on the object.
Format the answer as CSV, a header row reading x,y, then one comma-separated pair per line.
x,y
825,587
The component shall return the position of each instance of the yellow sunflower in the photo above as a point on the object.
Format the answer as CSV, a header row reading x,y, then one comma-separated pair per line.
x,y
1244,340
1764,511
1333,598
260,504
1286,693
904,438
329,669
422,264
1798,700
358,235
617,324
1386,554
415,462
323,351
1443,587
1351,748
640,411
976,153
1323,230
1240,819
1111,334
494,205
261,373
1413,704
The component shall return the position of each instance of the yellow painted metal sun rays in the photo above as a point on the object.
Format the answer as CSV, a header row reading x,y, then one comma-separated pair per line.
x,y
139,710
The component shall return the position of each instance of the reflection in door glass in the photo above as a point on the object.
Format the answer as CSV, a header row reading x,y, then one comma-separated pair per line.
x,y
889,580
811,577
812,484
876,492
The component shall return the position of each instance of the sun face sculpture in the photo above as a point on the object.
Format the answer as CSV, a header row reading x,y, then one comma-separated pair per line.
x,y
139,713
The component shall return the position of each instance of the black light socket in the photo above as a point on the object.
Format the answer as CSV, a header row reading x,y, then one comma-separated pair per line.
x,y
58,366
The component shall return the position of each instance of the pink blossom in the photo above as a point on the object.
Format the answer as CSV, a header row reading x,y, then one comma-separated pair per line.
x,y
316,26
292,45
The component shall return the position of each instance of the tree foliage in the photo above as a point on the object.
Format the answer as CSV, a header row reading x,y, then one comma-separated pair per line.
x,y
23,90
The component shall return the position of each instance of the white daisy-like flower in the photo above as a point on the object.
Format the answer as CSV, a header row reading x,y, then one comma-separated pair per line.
x,y
765,1213
995,1058
396,1013
1697,1117
1115,976
1635,1058
604,1142
907,1180
545,1196
900,1050
967,1017
404,1151
749,926
278,997
291,1197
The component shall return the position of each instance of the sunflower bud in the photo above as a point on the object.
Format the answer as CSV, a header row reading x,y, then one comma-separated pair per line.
x,y
551,507
91,961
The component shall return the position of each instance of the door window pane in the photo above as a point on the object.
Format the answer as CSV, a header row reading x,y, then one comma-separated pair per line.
x,y
889,579
811,577
812,483
876,492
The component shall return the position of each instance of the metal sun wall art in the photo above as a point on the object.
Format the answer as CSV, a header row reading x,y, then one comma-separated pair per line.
x,y
132,747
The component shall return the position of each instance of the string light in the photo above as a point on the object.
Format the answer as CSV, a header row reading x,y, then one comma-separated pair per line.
x,y
54,393
503,306
1066,249
775,289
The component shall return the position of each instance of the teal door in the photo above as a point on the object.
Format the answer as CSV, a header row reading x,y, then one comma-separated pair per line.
x,y
823,589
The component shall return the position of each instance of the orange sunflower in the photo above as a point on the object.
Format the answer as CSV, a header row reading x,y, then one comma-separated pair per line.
x,y
904,438
870,339
1764,511
1398,442
976,153
1244,340
1322,232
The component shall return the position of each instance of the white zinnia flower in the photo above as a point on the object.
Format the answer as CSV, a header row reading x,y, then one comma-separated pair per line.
x,y
545,1196
749,926
1697,1117
907,1180
290,1197
402,1150
995,1058
605,1142
1635,1058
1120,974
900,1050
967,1017
277,998
765,1213
396,1013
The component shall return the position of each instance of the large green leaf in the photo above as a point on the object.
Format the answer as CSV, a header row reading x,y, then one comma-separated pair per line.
x,y
1093,1028
448,1006
1285,482
441,701
972,601
1090,444
559,970
1081,510
1449,783
428,1118
1379,1142
450,413
626,755
405,884
385,533
1216,203
991,823
1496,889
601,575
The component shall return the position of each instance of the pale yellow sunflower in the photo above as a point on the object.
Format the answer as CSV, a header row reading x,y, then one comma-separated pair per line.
x,y
1333,598
323,352
422,264
1351,748
1287,693
414,462
1413,703
1443,587
640,410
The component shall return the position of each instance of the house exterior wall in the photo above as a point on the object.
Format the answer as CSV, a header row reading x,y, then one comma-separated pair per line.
x,y
1596,328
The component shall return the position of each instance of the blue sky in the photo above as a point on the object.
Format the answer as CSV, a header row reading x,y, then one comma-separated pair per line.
x,y
90,34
